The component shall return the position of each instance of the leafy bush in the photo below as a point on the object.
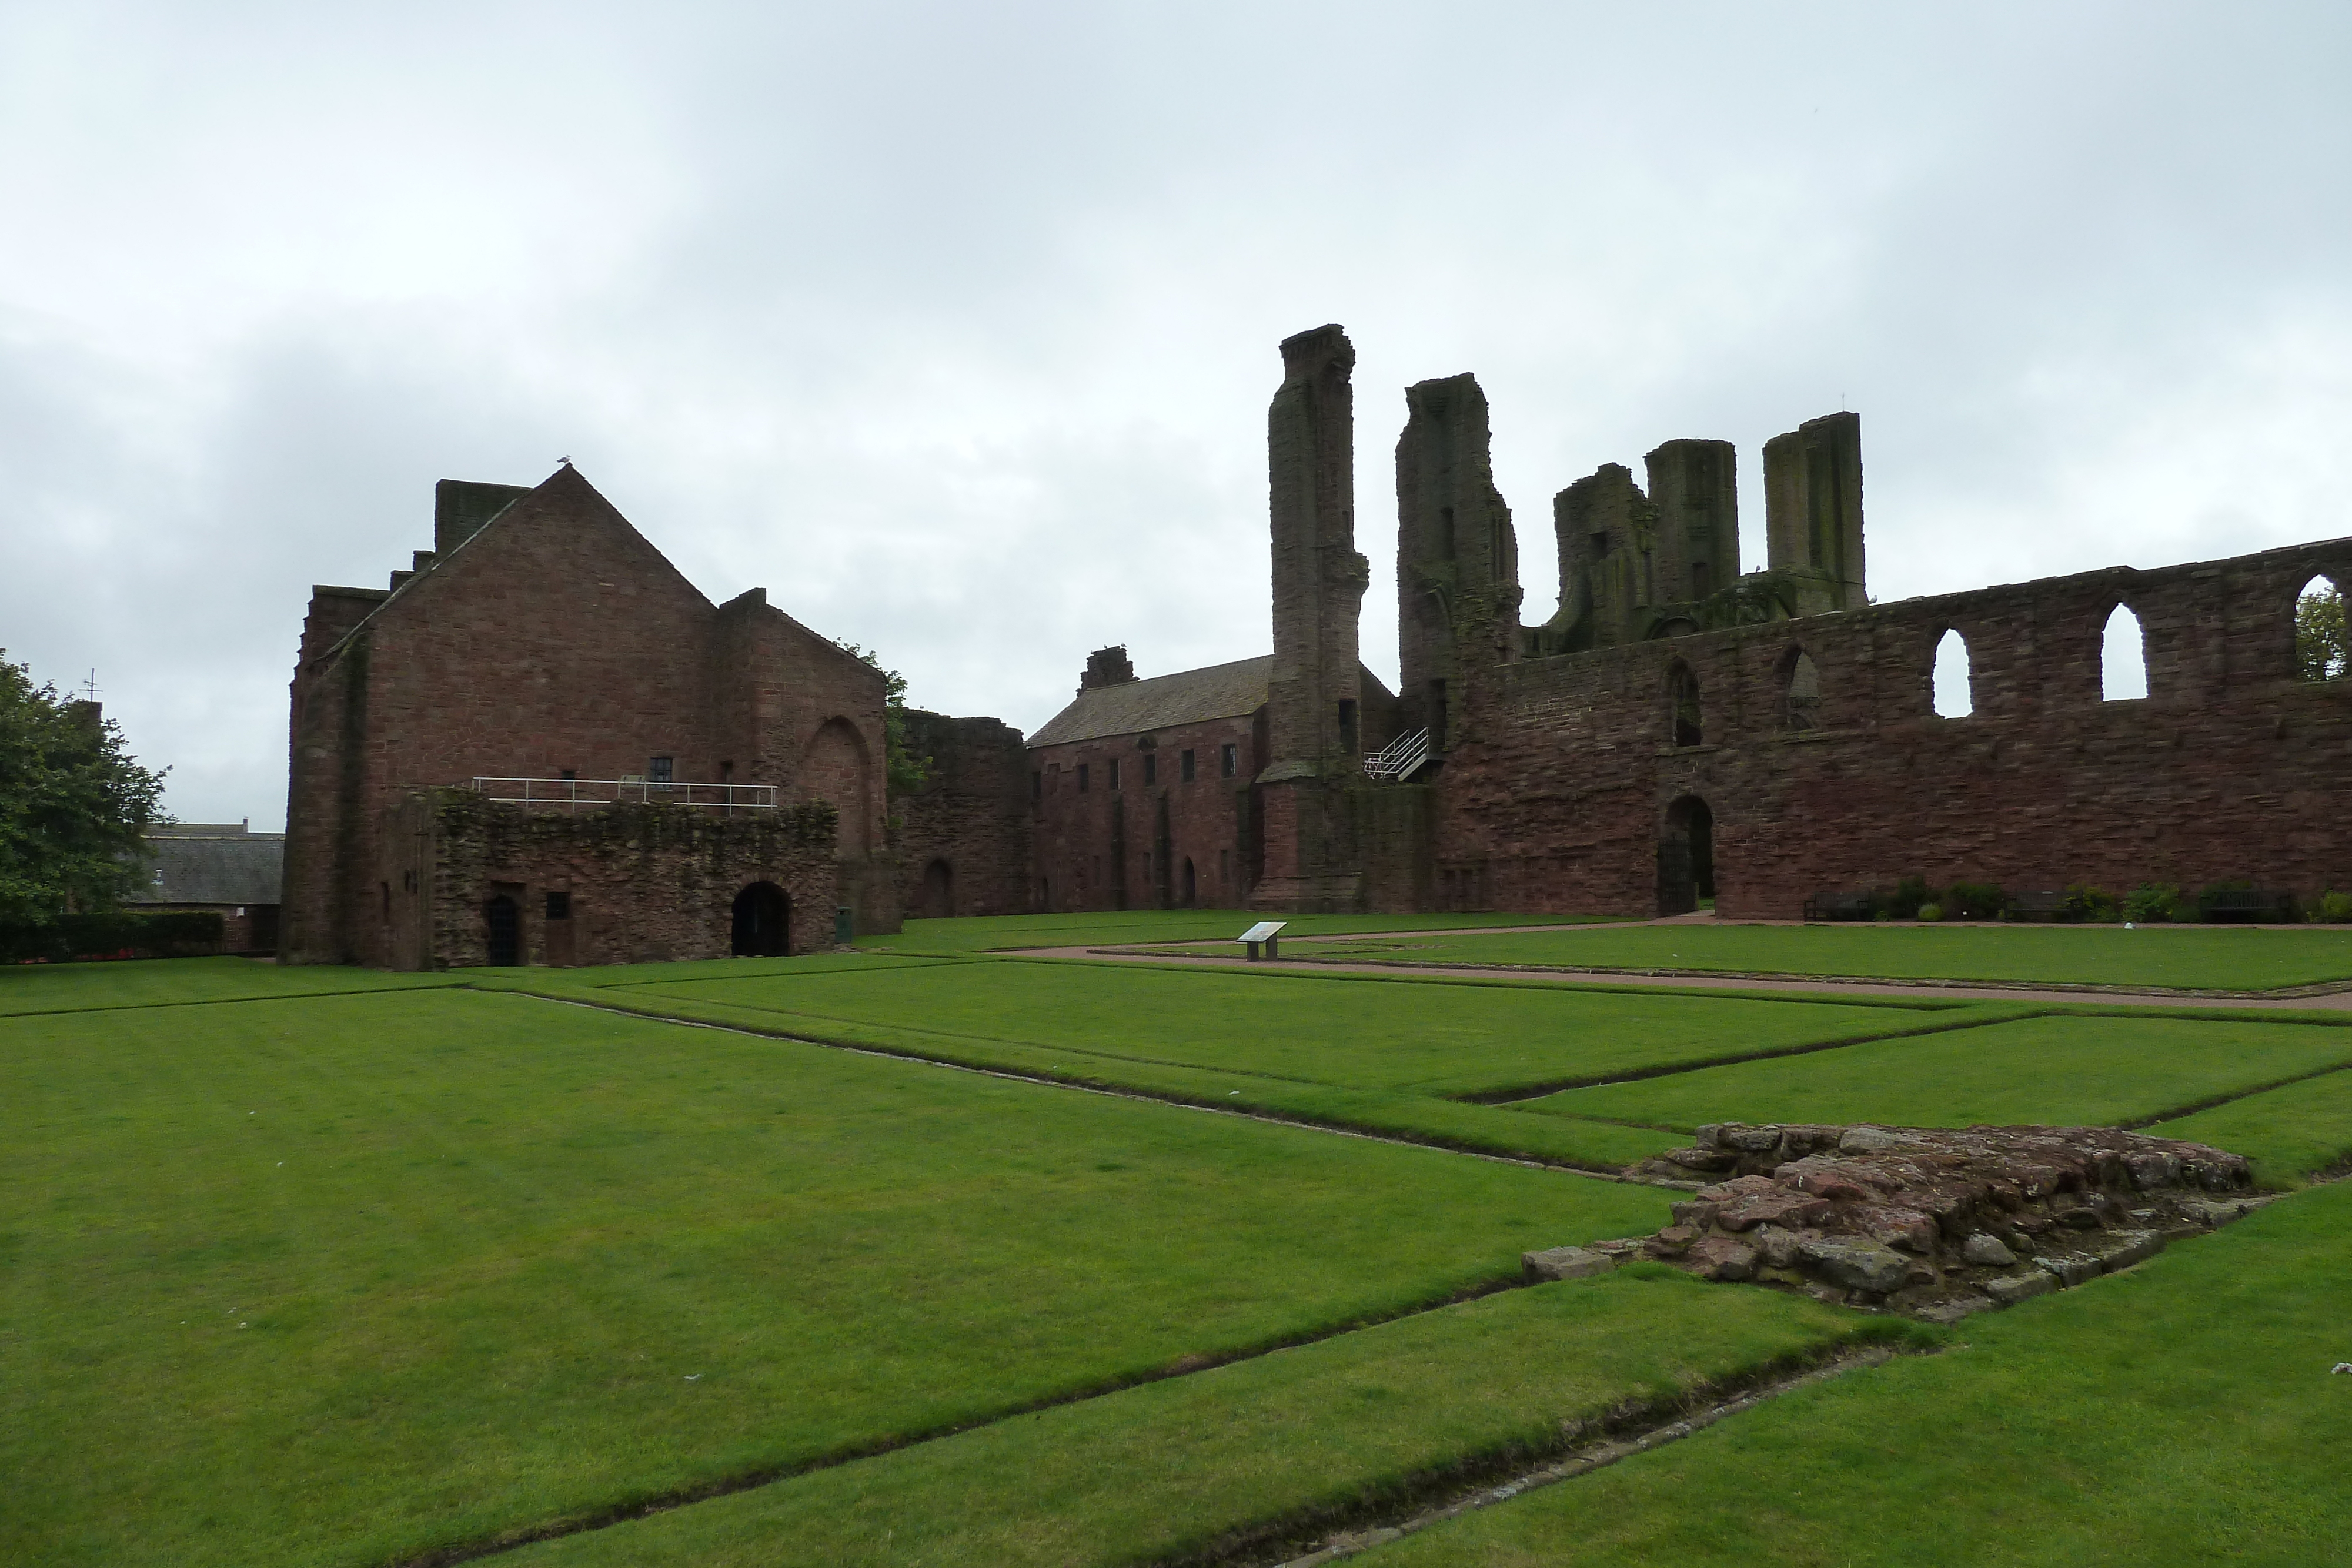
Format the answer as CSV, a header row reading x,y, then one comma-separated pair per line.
x,y
1910,894
2156,900
1931,912
2336,907
1974,901
112,934
2085,902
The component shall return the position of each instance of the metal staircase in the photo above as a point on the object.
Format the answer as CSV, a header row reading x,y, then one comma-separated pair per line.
x,y
1401,760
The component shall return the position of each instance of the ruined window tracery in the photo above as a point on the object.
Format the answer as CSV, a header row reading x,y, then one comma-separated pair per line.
x,y
2123,657
1684,719
2320,650
1800,691
1954,683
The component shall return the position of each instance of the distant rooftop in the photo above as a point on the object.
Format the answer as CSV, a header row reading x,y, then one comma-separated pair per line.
x,y
1189,696
210,862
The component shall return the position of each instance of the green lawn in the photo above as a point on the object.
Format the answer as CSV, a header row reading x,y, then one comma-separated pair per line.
x,y
1367,1034
2198,958
348,1280
2068,1070
146,982
1173,1468
1103,928
2181,1413
2288,1133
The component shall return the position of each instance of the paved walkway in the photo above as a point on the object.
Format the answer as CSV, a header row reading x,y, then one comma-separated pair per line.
x,y
2337,1000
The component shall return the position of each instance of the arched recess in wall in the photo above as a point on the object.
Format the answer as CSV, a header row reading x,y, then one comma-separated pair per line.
x,y
1954,681
835,769
2320,650
1685,719
2123,657
939,889
1685,856
1800,691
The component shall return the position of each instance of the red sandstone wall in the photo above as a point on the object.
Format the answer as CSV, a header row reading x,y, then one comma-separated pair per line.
x,y
962,841
556,638
1126,848
2228,768
646,883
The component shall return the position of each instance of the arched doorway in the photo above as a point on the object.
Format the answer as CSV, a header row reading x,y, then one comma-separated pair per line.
x,y
763,922
1685,856
1192,887
502,924
939,889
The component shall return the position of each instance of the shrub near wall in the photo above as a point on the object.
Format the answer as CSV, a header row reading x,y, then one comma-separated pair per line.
x,y
75,938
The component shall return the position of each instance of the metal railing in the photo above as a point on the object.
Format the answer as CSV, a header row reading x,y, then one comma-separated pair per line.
x,y
575,794
1400,761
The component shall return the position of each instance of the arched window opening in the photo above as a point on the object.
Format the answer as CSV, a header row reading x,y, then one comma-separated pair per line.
x,y
939,889
2123,657
2320,654
1801,691
763,921
1682,714
1955,680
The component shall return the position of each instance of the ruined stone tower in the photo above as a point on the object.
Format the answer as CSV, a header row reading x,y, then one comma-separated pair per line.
x,y
1457,559
1315,722
1812,512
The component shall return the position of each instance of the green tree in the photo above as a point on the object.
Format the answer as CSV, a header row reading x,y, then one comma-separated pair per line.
x,y
2319,648
906,773
74,806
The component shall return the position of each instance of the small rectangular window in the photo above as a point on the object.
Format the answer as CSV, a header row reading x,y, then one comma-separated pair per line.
x,y
1151,767
1228,761
660,769
1347,724
570,773
1036,786
1600,546
727,773
1224,864
558,906
1114,773
1083,771
1184,766
1698,580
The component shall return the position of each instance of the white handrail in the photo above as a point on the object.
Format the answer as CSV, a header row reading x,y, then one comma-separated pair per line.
x,y
1401,759
571,794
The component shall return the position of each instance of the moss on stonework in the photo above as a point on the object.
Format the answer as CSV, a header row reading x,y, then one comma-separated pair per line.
x,y
810,825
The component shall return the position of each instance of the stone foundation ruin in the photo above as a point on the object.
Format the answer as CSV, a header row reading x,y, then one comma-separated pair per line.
x,y
1934,1223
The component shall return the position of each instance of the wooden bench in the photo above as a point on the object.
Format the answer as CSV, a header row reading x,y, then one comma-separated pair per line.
x,y
2049,904
2246,903
1841,906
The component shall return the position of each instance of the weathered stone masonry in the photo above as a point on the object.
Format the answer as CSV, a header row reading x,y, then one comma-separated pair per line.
x,y
1678,728
543,638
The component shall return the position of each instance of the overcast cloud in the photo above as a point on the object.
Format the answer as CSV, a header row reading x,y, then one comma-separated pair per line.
x,y
954,326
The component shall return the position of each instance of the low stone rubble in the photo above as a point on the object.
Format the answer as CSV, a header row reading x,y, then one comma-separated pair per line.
x,y
1934,1223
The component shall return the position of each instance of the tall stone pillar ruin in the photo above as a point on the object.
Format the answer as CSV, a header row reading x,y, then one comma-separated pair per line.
x,y
1457,559
1314,697
1812,512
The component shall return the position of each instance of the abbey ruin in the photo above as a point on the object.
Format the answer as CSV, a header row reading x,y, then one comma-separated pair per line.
x,y
541,745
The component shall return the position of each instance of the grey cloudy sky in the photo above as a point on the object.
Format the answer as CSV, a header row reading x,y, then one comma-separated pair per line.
x,y
954,325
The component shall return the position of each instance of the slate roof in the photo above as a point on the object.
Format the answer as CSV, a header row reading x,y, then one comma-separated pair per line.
x,y
234,868
1220,691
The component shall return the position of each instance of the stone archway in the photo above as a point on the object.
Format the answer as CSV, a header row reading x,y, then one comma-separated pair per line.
x,y
763,922
1685,856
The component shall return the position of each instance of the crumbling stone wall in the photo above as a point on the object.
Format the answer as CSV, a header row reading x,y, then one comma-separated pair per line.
x,y
1934,1222
962,843
2230,767
641,884
1457,560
